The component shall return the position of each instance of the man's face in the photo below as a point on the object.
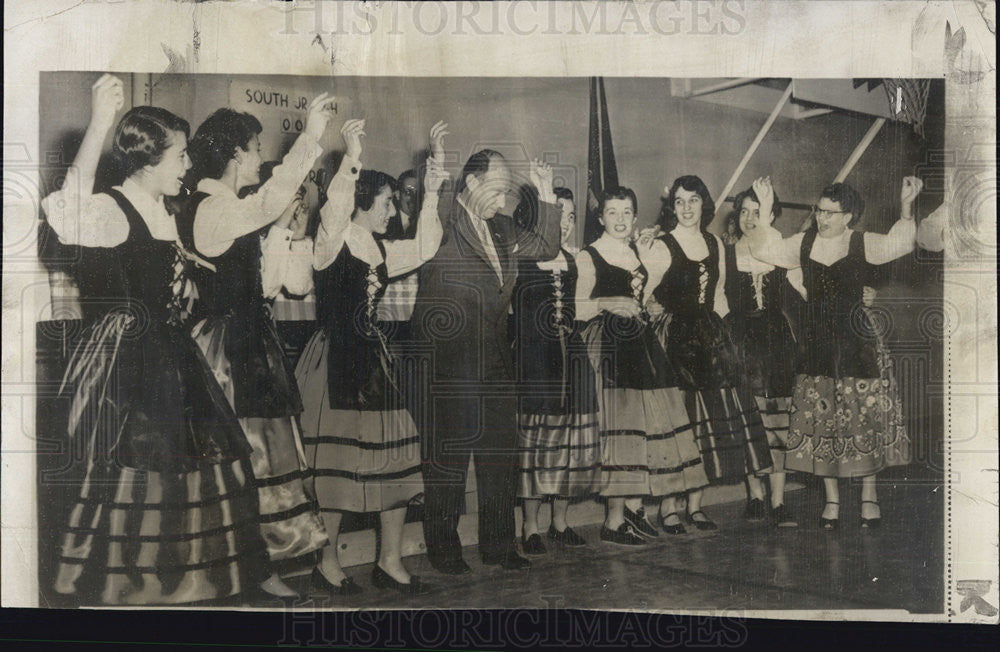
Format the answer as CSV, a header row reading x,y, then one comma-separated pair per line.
x,y
488,193
406,196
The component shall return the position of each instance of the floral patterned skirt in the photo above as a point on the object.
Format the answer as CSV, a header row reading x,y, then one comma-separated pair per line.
x,y
846,427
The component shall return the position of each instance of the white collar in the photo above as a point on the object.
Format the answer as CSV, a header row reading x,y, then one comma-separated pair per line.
x,y
362,245
616,252
160,223
215,187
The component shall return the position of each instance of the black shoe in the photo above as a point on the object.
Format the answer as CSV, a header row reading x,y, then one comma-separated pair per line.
x,y
567,537
783,517
509,560
625,535
383,580
830,523
676,528
450,565
347,587
637,520
702,524
871,523
755,510
533,545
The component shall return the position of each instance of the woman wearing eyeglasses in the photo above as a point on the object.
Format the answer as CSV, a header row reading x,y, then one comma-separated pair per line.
x,y
687,270
845,417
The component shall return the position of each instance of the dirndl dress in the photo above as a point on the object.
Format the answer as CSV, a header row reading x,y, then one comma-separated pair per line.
x,y
846,417
647,442
167,513
558,428
234,329
361,442
698,343
765,346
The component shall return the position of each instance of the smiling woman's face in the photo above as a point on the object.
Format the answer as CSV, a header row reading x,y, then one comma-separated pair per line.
x,y
168,174
687,208
618,218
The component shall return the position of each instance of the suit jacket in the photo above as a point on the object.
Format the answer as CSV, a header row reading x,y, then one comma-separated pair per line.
x,y
462,306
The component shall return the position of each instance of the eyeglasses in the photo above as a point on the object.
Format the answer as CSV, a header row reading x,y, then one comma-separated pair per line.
x,y
822,212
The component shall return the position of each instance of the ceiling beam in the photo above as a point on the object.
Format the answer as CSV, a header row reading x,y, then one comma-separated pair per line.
x,y
721,86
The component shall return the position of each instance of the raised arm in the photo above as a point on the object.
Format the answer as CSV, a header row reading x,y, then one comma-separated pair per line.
x,y
282,262
765,242
221,219
542,241
402,256
335,214
901,238
74,212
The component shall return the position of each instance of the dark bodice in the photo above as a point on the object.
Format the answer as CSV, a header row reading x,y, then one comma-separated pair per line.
x,y
543,299
689,285
612,281
347,293
234,288
742,296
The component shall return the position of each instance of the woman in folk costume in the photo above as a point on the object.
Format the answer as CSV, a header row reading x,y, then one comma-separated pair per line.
x,y
234,327
647,445
558,434
755,291
846,420
688,274
362,445
167,513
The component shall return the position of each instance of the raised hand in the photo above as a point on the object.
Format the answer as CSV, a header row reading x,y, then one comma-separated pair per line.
x,y
435,176
765,193
107,97
320,114
540,175
438,132
352,131
911,187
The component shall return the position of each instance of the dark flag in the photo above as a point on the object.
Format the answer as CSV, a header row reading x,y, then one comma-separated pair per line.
x,y
602,172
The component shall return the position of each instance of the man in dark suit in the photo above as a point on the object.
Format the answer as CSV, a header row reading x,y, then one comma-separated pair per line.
x,y
461,315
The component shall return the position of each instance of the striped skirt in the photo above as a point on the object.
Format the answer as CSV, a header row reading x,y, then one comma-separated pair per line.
x,y
289,518
361,460
147,538
647,444
729,433
774,414
559,455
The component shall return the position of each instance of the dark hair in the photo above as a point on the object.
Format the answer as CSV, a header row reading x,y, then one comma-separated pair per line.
x,y
526,212
143,135
620,192
563,193
395,230
691,183
368,185
477,165
215,142
848,198
734,217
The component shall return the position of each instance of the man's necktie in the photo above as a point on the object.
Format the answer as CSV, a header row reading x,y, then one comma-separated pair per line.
x,y
491,251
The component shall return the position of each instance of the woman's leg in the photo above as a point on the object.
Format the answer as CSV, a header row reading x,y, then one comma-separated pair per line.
x,y
777,481
559,508
869,498
755,488
329,565
831,510
391,557
530,510
616,513
668,511
634,503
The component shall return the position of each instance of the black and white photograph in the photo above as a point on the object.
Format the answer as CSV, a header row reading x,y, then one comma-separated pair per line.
x,y
610,338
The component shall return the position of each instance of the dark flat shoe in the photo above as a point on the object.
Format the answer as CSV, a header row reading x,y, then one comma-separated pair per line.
x,y
533,545
783,517
347,587
509,561
383,580
637,520
450,566
676,528
625,535
705,523
755,510
567,537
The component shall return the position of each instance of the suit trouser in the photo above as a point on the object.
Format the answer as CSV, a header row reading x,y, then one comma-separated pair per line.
x,y
480,422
